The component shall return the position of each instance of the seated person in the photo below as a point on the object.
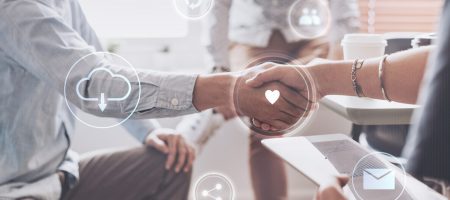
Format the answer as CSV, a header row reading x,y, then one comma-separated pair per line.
x,y
397,77
40,41
240,32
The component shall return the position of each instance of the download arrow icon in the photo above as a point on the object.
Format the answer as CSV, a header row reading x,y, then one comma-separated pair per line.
x,y
101,101
102,104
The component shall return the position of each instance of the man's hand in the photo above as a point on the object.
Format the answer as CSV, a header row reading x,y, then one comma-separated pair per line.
x,y
293,77
180,153
251,100
332,190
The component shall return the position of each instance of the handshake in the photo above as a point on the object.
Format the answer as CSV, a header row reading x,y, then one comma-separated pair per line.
x,y
274,96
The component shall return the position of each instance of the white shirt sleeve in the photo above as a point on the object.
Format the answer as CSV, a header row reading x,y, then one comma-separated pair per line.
x,y
345,18
216,35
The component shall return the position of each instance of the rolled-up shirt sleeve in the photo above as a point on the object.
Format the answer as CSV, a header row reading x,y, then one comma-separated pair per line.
x,y
42,42
138,128
345,18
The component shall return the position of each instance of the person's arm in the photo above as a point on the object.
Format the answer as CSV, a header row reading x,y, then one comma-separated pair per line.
x,y
403,73
42,42
216,33
39,39
217,45
221,84
345,19
138,128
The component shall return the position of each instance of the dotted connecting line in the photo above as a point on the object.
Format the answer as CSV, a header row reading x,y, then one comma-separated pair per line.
x,y
207,193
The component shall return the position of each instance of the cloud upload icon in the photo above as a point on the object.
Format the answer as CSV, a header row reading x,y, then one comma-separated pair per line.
x,y
102,105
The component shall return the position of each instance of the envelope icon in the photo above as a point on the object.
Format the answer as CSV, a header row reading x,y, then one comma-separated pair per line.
x,y
378,179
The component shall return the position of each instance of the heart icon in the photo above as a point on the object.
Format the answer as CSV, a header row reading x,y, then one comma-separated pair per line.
x,y
272,96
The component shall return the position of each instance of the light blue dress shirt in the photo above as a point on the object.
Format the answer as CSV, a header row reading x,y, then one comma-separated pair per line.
x,y
39,42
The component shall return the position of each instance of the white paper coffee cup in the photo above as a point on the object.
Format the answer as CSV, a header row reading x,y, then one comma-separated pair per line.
x,y
361,46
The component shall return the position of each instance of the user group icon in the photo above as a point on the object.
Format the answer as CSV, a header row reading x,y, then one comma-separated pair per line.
x,y
309,18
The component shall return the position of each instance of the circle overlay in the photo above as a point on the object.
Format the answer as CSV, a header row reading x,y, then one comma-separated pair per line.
x,y
104,54
184,7
309,19
358,195
304,75
217,186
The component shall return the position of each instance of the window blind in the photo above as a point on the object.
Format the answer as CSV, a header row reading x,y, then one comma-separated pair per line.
x,y
399,15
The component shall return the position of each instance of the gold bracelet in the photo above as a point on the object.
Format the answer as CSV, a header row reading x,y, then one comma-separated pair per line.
x,y
357,64
381,77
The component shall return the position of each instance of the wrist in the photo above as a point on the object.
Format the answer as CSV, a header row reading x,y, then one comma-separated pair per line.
x,y
331,78
318,75
213,90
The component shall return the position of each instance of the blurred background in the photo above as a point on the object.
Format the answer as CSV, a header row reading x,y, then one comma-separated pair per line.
x,y
152,35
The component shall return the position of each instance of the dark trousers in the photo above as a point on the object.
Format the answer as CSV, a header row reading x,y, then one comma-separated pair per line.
x,y
132,174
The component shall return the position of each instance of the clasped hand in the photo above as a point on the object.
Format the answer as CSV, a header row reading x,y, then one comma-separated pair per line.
x,y
293,103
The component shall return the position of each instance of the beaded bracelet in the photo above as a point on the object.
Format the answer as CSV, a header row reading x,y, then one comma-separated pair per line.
x,y
357,64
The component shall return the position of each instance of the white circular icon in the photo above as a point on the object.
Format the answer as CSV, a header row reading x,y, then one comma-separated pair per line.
x,y
273,95
309,18
193,9
373,177
83,85
214,186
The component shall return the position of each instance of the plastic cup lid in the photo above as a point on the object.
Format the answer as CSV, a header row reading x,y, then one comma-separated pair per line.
x,y
364,38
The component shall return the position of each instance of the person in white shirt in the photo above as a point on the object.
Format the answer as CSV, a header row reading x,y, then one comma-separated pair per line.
x,y
240,32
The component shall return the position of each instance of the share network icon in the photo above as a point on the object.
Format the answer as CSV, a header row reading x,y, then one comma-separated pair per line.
x,y
207,193
214,186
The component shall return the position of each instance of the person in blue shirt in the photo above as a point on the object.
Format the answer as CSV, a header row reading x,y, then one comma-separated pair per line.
x,y
40,41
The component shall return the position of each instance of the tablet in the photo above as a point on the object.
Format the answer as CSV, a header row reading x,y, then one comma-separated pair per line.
x,y
320,157
301,154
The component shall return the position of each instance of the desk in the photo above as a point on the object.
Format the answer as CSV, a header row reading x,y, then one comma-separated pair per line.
x,y
365,111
